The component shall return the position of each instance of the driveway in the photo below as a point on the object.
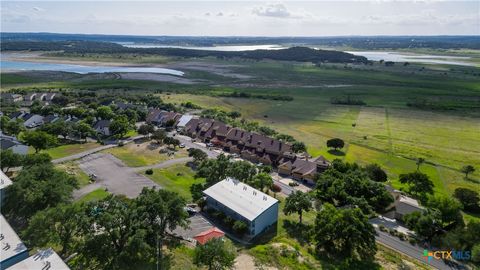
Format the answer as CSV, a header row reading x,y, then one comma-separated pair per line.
x,y
113,175
189,144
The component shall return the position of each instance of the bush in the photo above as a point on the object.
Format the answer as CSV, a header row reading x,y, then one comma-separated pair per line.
x,y
382,228
276,188
293,184
240,227
149,172
228,221
412,240
392,232
402,236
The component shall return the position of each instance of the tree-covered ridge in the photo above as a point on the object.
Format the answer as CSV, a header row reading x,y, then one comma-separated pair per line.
x,y
302,54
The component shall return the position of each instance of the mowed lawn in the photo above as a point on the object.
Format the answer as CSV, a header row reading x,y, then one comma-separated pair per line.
x,y
68,149
95,195
177,178
143,154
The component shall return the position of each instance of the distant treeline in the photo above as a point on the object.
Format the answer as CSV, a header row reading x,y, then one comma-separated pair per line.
x,y
301,54
259,96
347,100
365,42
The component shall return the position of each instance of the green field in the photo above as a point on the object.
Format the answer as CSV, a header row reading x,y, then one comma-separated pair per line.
x,y
95,195
144,154
68,149
177,178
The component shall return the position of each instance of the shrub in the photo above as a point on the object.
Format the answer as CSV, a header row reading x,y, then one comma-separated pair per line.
x,y
402,236
382,228
412,240
293,184
149,172
240,227
228,221
276,188
392,232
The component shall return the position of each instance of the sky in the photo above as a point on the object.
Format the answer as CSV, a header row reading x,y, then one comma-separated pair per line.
x,y
244,18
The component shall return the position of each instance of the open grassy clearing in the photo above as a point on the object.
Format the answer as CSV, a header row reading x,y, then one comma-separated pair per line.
x,y
72,168
68,149
144,154
95,195
177,178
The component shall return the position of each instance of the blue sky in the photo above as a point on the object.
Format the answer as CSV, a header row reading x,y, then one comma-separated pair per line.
x,y
244,18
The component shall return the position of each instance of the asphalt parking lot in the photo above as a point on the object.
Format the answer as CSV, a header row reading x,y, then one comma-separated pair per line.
x,y
197,225
113,175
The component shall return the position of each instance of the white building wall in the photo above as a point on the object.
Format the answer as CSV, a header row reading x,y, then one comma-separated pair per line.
x,y
266,219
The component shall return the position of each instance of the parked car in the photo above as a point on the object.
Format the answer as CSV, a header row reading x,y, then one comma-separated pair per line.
x,y
191,211
182,145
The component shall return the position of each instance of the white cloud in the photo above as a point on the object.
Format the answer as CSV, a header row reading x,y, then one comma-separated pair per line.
x,y
272,10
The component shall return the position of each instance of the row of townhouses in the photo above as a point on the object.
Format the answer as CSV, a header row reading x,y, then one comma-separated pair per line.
x,y
251,146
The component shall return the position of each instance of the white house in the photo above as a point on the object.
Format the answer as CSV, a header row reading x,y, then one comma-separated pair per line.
x,y
242,202
43,259
13,250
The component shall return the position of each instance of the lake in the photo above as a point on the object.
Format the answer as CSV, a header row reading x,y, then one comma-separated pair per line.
x,y
12,65
414,58
231,48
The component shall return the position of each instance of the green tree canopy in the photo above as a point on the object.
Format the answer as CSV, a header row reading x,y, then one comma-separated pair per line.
x,y
469,199
262,180
376,173
216,254
120,126
105,112
297,202
419,183
344,233
467,169
198,155
36,188
159,135
335,143
9,159
298,147
39,140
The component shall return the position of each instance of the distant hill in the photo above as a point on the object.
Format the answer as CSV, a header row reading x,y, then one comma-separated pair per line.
x,y
301,54
359,42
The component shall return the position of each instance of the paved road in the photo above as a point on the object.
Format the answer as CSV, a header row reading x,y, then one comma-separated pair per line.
x,y
189,144
164,164
112,174
413,251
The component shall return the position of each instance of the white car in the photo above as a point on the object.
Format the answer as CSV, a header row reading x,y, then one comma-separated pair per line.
x,y
182,145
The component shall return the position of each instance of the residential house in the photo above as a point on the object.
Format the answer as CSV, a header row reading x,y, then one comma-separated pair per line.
x,y
42,260
11,98
7,142
30,97
32,120
49,96
102,127
198,127
302,169
183,120
16,115
40,96
242,202
51,118
13,249
402,204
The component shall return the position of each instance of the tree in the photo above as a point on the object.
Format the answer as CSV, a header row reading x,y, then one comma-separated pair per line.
x,y
83,130
262,180
31,160
468,169
36,188
170,124
335,143
298,147
105,112
214,170
240,227
469,199
146,129
234,114
161,210
344,233
60,225
119,126
14,127
449,208
297,202
425,224
376,173
216,254
121,241
419,183
159,135
58,128
196,191
39,140
9,159
198,155
242,170
171,141
419,162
